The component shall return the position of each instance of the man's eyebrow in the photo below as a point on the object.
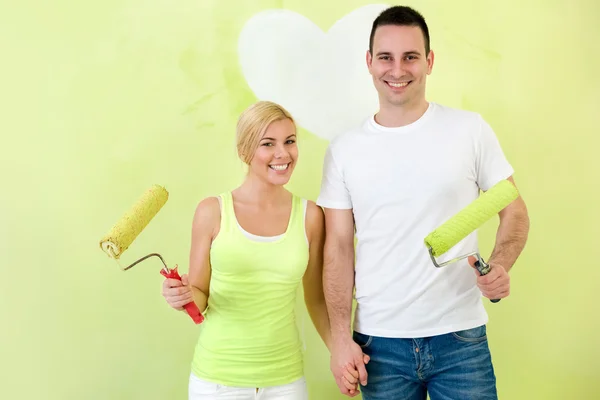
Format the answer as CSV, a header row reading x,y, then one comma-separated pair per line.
x,y
406,53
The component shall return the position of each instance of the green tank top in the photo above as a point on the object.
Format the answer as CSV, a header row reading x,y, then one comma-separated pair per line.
x,y
250,337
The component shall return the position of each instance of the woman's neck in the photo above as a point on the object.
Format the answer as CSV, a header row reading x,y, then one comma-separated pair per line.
x,y
257,191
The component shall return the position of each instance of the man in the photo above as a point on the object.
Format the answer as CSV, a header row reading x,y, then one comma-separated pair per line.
x,y
391,181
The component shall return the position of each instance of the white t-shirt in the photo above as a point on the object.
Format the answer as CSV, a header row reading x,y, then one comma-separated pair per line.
x,y
402,183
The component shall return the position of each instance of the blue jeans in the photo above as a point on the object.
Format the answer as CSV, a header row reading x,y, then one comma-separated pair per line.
x,y
453,366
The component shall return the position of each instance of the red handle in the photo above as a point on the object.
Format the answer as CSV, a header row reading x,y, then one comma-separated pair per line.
x,y
191,308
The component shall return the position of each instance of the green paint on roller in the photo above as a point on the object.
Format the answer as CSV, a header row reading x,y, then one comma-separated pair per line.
x,y
124,232
471,217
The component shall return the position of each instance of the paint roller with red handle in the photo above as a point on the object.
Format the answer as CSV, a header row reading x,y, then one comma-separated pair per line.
x,y
126,230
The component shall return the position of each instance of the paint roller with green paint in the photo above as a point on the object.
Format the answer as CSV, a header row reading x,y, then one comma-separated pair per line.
x,y
467,220
129,227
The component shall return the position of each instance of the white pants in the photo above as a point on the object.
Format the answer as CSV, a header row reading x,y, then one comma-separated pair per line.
x,y
202,390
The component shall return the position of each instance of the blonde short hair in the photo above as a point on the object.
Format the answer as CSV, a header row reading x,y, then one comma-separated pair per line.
x,y
253,123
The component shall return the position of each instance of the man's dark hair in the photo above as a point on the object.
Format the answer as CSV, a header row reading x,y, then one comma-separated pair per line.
x,y
401,16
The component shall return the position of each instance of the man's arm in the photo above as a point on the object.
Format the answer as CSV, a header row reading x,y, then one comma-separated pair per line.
x,y
512,233
510,240
338,271
338,283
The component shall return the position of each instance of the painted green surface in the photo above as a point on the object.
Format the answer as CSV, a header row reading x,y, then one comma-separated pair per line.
x,y
101,100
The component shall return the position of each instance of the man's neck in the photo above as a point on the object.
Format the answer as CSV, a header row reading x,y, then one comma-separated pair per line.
x,y
391,116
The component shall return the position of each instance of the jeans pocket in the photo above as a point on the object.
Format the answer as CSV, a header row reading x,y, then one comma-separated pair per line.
x,y
362,340
473,335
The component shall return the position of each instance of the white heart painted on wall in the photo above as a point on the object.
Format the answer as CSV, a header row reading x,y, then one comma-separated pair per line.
x,y
320,77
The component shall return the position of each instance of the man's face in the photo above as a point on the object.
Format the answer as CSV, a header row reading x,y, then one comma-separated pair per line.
x,y
398,64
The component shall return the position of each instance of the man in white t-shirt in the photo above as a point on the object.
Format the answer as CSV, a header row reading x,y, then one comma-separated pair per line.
x,y
390,182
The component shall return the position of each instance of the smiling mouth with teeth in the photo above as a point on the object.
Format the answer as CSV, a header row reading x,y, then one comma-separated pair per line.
x,y
398,84
279,167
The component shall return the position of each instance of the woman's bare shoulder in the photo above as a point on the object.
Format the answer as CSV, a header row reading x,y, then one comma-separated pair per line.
x,y
315,219
208,213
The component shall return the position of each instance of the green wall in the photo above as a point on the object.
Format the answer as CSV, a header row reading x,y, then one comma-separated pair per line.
x,y
101,100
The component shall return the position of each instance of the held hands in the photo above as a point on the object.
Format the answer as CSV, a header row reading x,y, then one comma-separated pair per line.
x,y
351,376
177,293
494,285
348,367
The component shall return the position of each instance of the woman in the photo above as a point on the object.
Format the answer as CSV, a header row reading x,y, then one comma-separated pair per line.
x,y
251,248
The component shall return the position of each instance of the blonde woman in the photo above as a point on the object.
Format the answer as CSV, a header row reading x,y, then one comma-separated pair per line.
x,y
251,248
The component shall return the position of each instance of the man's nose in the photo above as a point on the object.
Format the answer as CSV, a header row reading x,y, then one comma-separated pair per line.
x,y
398,69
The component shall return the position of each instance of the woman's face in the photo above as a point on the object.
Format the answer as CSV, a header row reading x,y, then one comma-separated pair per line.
x,y
275,158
